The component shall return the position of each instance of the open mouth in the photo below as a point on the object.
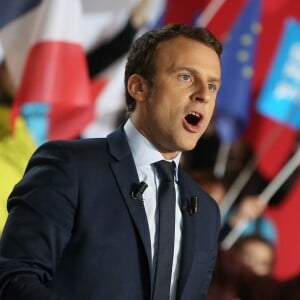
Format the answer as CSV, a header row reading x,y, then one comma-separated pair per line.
x,y
193,118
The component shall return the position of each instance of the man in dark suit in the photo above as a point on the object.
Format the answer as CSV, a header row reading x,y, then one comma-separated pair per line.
x,y
81,226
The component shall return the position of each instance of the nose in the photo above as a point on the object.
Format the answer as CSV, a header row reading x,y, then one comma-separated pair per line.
x,y
201,93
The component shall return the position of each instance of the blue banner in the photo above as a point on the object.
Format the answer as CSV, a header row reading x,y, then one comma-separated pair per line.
x,y
239,54
280,96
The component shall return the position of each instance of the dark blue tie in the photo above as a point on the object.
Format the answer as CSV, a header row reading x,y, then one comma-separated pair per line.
x,y
166,229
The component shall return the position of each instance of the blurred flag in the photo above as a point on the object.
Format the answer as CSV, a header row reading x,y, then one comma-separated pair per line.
x,y
176,14
232,108
273,133
272,143
285,217
44,43
41,40
107,112
213,14
280,96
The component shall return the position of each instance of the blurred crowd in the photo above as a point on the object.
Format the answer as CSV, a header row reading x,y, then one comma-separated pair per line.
x,y
245,269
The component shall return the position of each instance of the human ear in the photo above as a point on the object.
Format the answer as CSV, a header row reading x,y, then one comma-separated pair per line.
x,y
137,87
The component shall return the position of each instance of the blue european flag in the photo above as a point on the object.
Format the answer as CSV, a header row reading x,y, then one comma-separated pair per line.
x,y
280,96
232,108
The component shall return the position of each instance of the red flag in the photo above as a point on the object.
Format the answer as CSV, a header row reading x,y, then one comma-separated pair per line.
x,y
272,142
222,21
285,217
177,13
56,73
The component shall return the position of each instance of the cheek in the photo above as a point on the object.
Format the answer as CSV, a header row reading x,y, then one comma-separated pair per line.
x,y
166,105
210,110
212,105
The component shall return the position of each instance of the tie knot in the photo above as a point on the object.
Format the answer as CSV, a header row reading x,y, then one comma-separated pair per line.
x,y
165,170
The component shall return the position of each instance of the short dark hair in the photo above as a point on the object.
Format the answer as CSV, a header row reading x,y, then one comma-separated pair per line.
x,y
141,56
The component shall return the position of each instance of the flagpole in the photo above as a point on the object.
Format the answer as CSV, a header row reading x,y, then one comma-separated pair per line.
x,y
266,195
243,177
222,159
235,189
209,12
282,176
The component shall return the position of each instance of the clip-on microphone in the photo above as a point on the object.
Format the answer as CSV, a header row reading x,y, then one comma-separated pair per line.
x,y
137,192
192,206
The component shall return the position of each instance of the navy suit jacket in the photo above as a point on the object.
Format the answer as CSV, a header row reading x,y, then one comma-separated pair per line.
x,y
75,233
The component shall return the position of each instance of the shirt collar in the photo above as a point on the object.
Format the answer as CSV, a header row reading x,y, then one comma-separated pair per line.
x,y
143,152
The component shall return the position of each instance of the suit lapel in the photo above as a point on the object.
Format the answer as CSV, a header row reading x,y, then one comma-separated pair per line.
x,y
189,235
126,176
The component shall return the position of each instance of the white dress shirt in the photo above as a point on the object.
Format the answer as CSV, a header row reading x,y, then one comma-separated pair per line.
x,y
145,154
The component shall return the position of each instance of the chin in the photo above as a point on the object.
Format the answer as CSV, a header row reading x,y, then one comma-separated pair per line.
x,y
188,147
192,143
186,143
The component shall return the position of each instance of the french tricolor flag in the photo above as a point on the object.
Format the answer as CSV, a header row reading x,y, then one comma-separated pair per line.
x,y
47,64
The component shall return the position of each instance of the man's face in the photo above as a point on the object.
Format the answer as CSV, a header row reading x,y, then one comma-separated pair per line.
x,y
177,108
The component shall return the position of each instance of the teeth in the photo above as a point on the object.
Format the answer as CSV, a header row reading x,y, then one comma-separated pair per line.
x,y
195,114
